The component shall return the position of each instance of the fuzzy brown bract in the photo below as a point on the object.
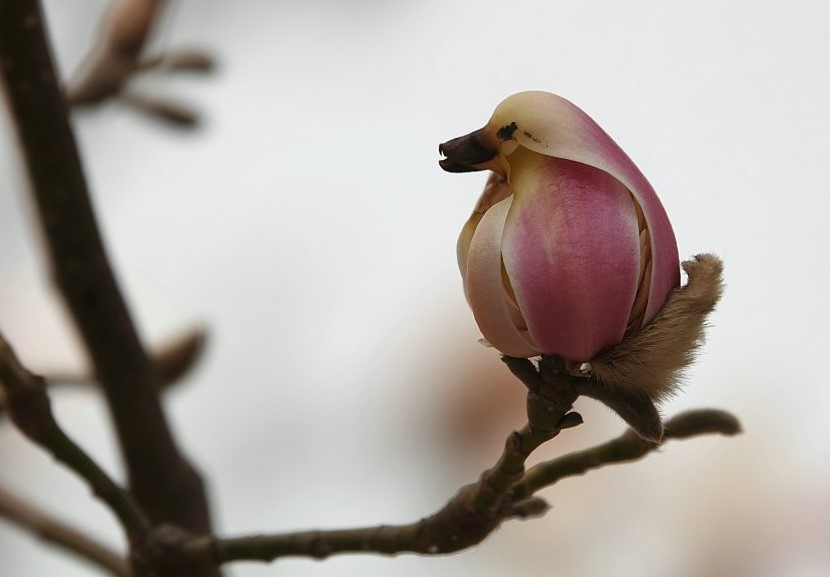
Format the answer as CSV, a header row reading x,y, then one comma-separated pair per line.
x,y
652,361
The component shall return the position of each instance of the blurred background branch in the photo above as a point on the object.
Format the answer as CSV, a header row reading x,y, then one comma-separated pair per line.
x,y
118,56
162,481
173,360
30,410
30,517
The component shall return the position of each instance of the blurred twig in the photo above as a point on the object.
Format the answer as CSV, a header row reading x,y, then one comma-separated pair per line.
x,y
117,57
161,479
174,113
30,410
502,493
173,362
29,517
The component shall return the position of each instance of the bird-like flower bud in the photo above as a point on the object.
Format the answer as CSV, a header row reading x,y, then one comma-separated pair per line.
x,y
569,250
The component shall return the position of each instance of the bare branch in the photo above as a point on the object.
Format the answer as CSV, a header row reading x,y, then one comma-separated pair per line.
x,y
503,492
30,518
174,113
471,515
117,57
628,447
29,408
173,362
466,519
163,482
124,31
177,357
193,61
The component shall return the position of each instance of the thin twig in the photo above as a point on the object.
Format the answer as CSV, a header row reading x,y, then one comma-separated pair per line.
x,y
625,448
117,57
495,483
124,32
457,526
163,482
174,360
29,408
173,113
30,518
380,539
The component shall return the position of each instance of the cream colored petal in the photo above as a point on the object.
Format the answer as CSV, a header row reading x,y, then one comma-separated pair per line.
x,y
495,190
485,288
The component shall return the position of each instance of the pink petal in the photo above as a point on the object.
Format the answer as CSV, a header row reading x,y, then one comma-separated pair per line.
x,y
485,289
552,126
572,253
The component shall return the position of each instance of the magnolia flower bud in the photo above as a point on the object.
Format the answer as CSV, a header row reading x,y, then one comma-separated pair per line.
x,y
569,250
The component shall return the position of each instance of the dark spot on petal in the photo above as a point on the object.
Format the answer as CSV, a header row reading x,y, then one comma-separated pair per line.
x,y
506,132
533,138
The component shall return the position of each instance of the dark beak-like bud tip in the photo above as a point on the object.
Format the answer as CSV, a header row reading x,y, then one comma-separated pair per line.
x,y
466,153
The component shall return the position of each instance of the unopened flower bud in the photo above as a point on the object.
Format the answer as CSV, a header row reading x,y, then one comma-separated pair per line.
x,y
569,249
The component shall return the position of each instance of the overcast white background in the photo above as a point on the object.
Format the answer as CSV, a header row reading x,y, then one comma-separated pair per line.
x,y
308,226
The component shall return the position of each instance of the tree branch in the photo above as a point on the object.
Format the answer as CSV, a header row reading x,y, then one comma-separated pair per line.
x,y
173,362
163,482
468,518
123,33
464,521
502,492
53,530
117,57
625,448
30,410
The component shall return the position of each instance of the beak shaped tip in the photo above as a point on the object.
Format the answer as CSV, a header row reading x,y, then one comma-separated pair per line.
x,y
449,165
465,153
